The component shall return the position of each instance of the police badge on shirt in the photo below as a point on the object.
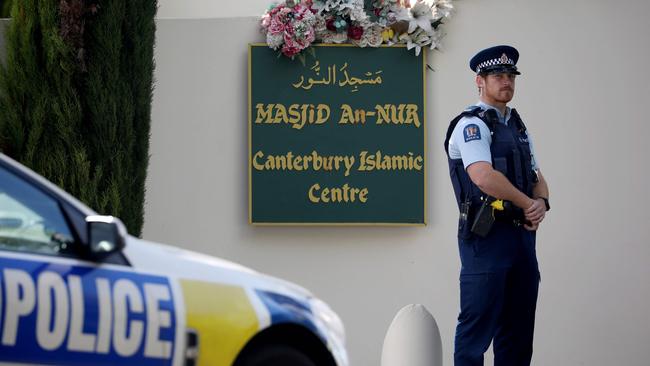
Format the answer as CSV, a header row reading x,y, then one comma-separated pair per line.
x,y
471,132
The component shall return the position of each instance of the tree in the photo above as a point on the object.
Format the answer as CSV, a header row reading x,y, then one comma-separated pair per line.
x,y
5,8
117,101
75,98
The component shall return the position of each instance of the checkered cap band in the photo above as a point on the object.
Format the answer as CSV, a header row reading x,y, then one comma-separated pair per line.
x,y
494,62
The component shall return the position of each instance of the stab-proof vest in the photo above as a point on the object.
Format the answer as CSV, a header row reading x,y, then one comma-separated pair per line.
x,y
511,155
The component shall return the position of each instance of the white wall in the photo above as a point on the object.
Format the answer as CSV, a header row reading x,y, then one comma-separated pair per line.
x,y
210,8
583,95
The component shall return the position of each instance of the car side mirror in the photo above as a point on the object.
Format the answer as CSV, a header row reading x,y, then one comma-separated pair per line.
x,y
106,235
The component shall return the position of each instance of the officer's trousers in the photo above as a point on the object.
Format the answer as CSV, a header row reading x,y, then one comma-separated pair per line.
x,y
497,306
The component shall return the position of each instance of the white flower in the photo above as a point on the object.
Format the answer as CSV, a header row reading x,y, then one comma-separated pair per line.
x,y
358,14
385,23
308,17
391,18
435,40
402,14
320,28
442,9
422,15
334,37
372,35
417,40
274,40
334,5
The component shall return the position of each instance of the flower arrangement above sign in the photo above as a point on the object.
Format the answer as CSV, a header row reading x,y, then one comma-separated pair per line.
x,y
293,25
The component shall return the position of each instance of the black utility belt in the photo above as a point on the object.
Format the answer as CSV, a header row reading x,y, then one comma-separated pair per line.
x,y
515,216
482,217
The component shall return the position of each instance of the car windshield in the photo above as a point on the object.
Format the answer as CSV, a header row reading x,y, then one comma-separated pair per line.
x,y
30,220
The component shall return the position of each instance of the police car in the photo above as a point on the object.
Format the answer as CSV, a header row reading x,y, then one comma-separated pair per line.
x,y
76,289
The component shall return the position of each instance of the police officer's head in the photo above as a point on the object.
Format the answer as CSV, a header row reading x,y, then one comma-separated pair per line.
x,y
496,69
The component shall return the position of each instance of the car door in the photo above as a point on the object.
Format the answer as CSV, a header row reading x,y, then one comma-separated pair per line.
x,y
60,305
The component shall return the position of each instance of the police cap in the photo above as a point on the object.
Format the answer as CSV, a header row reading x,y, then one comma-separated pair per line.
x,y
495,60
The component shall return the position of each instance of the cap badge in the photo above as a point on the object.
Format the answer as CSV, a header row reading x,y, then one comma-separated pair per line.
x,y
504,59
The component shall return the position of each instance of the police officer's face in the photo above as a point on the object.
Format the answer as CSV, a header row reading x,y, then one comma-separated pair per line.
x,y
499,88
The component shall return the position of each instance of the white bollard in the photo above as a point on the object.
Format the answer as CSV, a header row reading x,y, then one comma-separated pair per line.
x,y
412,339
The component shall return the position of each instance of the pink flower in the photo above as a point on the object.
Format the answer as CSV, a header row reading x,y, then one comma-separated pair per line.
x,y
299,12
290,41
288,31
284,11
310,36
275,10
355,32
290,28
290,51
276,26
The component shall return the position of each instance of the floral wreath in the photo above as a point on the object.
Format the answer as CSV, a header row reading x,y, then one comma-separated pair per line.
x,y
293,26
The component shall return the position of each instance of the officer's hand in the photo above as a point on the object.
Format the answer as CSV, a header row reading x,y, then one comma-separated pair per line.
x,y
532,227
536,212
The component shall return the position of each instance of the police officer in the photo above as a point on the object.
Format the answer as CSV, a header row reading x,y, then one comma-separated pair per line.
x,y
491,157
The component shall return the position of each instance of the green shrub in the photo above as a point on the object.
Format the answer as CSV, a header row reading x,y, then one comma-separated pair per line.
x,y
75,98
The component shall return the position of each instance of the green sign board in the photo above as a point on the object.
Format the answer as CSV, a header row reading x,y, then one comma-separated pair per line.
x,y
338,140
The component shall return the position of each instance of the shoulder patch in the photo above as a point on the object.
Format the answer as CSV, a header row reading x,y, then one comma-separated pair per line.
x,y
471,132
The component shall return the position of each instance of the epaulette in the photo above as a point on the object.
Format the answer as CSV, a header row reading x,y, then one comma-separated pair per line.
x,y
472,109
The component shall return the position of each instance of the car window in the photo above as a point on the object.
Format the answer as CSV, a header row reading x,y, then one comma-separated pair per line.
x,y
30,220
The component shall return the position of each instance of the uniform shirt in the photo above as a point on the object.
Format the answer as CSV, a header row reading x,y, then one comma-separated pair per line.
x,y
471,139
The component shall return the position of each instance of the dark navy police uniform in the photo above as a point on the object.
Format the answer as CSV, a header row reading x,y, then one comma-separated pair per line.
x,y
499,277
